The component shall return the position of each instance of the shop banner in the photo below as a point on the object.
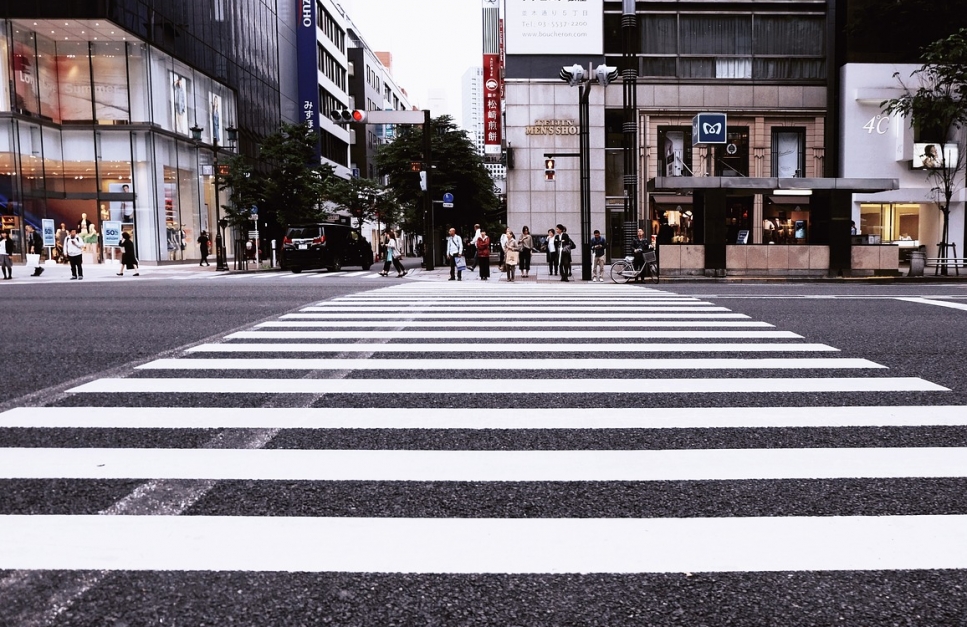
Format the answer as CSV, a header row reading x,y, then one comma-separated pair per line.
x,y
571,27
47,229
308,70
112,233
215,118
493,136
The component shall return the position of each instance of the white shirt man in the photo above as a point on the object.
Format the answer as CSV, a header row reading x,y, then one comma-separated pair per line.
x,y
74,249
454,250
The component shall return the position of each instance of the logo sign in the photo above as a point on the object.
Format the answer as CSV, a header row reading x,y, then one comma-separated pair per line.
x,y
112,233
47,227
709,128
308,73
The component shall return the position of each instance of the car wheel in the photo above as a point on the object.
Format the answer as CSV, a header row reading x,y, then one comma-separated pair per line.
x,y
296,270
336,265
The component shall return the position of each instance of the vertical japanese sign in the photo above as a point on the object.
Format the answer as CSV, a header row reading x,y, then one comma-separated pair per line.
x,y
308,72
492,79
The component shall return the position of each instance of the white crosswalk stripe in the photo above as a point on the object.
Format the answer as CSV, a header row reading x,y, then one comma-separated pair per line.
x,y
546,364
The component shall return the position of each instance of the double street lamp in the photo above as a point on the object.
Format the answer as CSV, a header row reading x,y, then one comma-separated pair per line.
x,y
221,256
578,76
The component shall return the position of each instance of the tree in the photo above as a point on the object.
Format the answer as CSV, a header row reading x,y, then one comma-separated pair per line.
x,y
457,169
237,175
938,109
298,183
364,199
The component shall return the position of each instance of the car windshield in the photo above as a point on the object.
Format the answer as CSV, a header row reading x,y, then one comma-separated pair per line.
x,y
304,232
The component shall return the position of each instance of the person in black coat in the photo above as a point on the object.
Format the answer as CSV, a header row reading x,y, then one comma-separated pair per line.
x,y
35,249
6,249
204,243
564,244
128,259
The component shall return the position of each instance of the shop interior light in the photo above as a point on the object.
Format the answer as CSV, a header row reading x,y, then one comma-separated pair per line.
x,y
792,192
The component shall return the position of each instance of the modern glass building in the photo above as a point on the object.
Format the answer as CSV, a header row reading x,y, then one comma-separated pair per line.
x,y
98,103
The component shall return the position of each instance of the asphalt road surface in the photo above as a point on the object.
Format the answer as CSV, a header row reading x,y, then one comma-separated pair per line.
x,y
271,451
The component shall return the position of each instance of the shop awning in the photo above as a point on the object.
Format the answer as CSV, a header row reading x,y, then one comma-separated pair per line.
x,y
680,184
664,199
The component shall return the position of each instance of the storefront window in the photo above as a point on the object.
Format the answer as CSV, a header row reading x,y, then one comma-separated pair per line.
x,y
4,70
138,82
25,73
785,220
74,82
676,216
54,161
789,153
898,223
47,79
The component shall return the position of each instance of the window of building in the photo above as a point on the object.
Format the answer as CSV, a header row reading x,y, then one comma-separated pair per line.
x,y
674,151
899,223
788,152
732,158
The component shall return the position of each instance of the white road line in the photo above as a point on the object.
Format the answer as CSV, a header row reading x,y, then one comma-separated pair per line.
x,y
490,466
507,386
482,418
530,349
475,545
504,324
519,315
419,309
510,364
937,303
508,334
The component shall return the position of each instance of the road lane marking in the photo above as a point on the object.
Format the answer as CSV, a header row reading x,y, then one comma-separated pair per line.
x,y
483,418
489,466
510,364
511,334
530,349
937,303
518,315
460,386
503,324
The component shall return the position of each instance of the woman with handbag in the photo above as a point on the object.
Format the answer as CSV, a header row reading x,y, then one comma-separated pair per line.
x,y
392,254
128,260
511,255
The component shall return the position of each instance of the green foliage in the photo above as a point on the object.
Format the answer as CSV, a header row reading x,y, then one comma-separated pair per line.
x,y
364,199
243,186
938,108
298,183
457,169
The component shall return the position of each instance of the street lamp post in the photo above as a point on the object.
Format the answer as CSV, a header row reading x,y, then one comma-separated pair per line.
x,y
221,258
577,76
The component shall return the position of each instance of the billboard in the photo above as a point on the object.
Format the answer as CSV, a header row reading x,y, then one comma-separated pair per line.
x,y
555,27
926,156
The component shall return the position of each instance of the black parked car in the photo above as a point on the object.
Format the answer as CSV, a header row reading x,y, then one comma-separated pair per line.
x,y
324,245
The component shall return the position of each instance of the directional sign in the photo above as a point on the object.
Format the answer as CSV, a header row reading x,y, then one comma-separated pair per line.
x,y
448,201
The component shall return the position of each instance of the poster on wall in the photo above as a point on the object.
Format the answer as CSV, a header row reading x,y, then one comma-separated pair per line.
x,y
121,210
24,77
555,27
179,102
215,117
110,86
74,87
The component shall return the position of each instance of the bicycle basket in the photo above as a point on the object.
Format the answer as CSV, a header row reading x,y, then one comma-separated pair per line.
x,y
650,256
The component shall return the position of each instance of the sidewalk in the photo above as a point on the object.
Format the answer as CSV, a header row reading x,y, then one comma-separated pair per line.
x,y
105,271
540,275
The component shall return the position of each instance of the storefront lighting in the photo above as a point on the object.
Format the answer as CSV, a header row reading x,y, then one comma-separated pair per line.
x,y
792,192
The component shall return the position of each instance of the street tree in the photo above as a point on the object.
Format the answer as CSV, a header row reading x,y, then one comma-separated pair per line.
x,y
937,108
298,182
456,168
364,199
237,176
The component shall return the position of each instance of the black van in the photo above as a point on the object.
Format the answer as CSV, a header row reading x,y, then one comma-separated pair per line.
x,y
324,245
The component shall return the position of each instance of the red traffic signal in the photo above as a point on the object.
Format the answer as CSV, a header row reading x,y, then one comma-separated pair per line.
x,y
345,116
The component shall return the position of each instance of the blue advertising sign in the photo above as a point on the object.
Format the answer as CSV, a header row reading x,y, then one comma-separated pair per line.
x,y
47,229
308,72
111,230
709,128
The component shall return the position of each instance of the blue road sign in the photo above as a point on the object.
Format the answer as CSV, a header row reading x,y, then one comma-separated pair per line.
x,y
448,197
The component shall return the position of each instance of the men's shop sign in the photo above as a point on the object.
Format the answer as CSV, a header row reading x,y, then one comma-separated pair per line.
x,y
553,127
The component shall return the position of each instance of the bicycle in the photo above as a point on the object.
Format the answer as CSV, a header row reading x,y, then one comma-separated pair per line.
x,y
624,271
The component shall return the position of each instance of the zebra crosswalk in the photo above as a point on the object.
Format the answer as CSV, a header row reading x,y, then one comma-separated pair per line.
x,y
432,430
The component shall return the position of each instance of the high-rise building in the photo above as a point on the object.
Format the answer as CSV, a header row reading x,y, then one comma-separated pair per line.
x,y
473,121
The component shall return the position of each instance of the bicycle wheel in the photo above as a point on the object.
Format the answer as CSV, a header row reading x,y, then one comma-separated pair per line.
x,y
652,271
622,272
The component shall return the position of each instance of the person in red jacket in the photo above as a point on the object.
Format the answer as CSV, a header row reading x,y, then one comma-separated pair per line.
x,y
483,255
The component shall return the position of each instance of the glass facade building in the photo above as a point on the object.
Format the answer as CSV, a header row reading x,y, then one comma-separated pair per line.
x,y
97,106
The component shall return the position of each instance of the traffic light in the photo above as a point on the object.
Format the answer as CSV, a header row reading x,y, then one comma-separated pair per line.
x,y
549,170
346,116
